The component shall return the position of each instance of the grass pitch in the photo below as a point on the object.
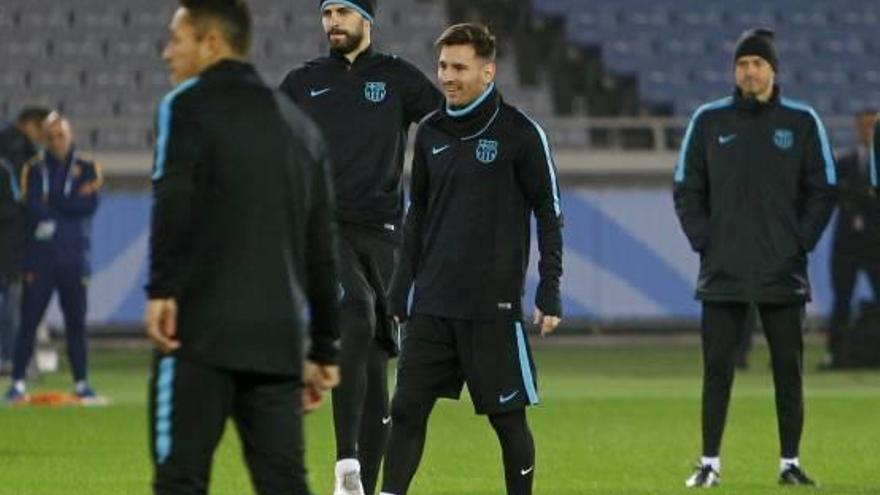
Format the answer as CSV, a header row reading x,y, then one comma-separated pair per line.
x,y
614,419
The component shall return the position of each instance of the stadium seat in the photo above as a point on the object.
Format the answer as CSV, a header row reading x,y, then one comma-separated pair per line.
x,y
137,48
121,138
57,80
100,19
111,79
22,48
88,106
76,48
51,19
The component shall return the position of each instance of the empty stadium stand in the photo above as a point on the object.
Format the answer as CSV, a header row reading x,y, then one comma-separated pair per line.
x,y
568,62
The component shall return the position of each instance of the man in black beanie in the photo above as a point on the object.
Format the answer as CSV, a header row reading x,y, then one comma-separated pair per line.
x,y
754,189
364,102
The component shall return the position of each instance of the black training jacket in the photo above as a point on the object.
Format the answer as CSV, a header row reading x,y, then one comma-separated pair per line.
x,y
857,230
754,189
875,154
15,150
243,232
477,178
364,110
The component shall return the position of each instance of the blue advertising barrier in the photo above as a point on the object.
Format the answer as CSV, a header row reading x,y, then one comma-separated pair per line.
x,y
625,258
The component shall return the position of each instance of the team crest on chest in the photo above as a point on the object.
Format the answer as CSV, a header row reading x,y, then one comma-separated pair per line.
x,y
783,138
375,91
487,151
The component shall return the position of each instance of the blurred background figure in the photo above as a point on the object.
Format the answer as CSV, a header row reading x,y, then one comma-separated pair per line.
x,y
60,193
18,143
856,236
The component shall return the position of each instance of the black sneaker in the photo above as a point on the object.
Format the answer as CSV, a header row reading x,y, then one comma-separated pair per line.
x,y
794,475
704,476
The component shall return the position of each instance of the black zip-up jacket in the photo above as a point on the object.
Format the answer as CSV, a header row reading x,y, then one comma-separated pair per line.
x,y
875,154
754,189
364,110
15,150
11,223
857,230
477,177
243,232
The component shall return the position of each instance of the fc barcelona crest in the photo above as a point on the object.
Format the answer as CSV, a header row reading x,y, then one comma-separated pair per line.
x,y
487,151
375,91
783,138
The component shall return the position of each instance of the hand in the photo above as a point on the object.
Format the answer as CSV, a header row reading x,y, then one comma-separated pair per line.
x,y
160,318
317,380
88,189
547,323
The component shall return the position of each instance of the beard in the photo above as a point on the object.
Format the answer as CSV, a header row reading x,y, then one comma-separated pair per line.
x,y
752,89
349,43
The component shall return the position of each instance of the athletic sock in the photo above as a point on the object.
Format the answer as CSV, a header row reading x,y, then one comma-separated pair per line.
x,y
714,462
785,463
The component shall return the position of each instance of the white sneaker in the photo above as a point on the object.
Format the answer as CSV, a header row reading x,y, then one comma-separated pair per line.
x,y
348,478
704,477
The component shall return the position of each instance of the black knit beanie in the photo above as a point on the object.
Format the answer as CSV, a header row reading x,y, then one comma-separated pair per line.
x,y
365,8
758,41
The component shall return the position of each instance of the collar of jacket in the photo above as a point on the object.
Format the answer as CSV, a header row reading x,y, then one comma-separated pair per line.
x,y
53,162
752,105
473,122
363,57
228,66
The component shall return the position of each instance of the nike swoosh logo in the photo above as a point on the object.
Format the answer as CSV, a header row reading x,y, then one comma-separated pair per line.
x,y
436,151
726,139
504,399
526,471
318,92
386,420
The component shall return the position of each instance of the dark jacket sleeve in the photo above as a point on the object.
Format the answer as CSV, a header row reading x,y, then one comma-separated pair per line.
x,y
10,207
818,181
410,254
75,204
290,85
875,154
32,192
536,173
322,284
691,187
177,155
422,97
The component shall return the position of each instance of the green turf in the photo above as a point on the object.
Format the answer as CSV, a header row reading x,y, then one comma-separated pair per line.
x,y
614,420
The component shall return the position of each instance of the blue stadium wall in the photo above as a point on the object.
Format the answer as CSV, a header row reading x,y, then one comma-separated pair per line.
x,y
625,259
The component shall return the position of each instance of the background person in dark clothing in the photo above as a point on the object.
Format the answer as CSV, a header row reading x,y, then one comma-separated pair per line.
x,y
18,144
754,189
60,192
856,243
242,262
364,102
481,170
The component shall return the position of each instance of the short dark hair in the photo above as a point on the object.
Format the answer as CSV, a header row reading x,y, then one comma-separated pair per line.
x,y
471,33
32,114
233,17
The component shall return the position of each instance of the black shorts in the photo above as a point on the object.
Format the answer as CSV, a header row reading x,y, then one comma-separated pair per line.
x,y
366,262
439,355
